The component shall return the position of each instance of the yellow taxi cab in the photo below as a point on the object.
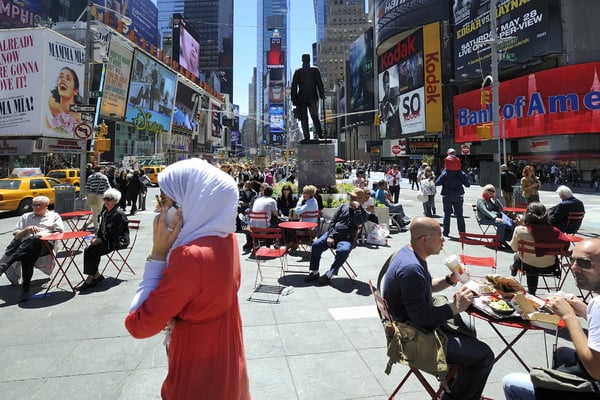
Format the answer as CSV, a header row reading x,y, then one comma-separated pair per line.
x,y
70,176
17,193
152,171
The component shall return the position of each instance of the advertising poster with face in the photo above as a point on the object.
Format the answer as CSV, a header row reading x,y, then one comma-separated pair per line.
x,y
389,97
63,84
116,80
189,52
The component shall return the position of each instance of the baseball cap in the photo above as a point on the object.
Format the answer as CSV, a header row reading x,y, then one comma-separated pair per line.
x,y
451,151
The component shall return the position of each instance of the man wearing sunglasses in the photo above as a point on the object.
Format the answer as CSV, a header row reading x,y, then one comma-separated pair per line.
x,y
584,359
26,246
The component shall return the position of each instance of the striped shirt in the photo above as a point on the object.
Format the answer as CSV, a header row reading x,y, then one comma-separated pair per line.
x,y
97,183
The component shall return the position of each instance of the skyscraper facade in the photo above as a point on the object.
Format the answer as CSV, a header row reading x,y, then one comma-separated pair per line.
x,y
213,21
272,70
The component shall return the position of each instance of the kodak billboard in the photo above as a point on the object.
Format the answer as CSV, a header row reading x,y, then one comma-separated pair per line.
x,y
410,90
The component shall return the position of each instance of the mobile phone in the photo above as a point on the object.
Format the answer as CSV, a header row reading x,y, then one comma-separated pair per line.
x,y
171,214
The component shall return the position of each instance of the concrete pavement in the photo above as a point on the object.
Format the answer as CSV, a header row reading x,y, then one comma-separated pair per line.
x,y
315,343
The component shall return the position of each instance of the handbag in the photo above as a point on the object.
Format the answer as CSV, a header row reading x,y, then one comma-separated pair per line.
x,y
422,197
552,379
416,347
377,236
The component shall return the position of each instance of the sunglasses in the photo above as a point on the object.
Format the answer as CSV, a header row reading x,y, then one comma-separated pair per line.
x,y
491,191
38,204
583,263
108,199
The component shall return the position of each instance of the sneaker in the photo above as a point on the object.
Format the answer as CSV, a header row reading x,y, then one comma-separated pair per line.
x,y
324,280
312,277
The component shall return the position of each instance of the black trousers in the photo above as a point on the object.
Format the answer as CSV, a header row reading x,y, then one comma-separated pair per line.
x,y
91,257
27,251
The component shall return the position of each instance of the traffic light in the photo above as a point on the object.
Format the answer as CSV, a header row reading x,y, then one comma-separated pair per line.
x,y
484,131
485,97
101,145
377,120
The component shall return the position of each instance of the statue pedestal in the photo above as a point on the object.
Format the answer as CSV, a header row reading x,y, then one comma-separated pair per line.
x,y
316,164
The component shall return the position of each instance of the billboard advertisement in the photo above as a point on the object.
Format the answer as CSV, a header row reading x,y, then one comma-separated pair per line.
x,y
20,14
215,111
151,91
185,113
275,55
276,118
410,84
360,82
186,46
143,14
393,17
534,29
558,101
41,77
116,80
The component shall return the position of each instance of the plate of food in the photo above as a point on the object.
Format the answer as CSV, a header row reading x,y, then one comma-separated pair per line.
x,y
501,307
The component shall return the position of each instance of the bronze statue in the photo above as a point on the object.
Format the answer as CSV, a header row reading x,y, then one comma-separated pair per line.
x,y
307,88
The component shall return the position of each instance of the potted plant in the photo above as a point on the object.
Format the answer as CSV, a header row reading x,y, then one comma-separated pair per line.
x,y
339,171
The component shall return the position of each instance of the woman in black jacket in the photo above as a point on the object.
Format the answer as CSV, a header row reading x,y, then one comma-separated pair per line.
x,y
113,234
286,201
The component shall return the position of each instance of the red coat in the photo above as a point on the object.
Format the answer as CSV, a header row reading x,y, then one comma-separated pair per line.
x,y
199,289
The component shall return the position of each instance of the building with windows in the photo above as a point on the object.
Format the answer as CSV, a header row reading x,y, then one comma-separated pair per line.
x,y
272,68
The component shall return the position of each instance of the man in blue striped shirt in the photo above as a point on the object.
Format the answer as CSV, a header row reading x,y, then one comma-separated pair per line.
x,y
95,186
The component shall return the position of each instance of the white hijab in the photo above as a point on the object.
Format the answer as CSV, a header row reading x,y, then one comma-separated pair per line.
x,y
208,198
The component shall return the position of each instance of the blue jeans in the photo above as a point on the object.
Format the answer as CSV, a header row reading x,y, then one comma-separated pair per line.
x,y
429,205
453,205
476,360
342,251
504,229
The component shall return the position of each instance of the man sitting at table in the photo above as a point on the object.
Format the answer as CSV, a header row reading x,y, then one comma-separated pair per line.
x,y
407,288
584,359
341,232
559,213
265,203
26,245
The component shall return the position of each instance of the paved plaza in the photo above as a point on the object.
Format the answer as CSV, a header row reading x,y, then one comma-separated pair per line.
x,y
314,343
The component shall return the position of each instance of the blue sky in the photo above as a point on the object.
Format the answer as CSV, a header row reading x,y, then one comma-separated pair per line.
x,y
302,35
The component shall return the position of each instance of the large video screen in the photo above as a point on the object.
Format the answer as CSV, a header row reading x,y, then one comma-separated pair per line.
x,y
186,46
360,82
151,91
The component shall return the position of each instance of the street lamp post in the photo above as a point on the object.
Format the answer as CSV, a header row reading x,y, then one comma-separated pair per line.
x,y
87,78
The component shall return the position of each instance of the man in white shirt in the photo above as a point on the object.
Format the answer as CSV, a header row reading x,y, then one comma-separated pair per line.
x,y
393,178
265,203
26,245
584,359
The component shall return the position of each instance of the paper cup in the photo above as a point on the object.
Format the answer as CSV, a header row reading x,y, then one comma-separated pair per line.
x,y
457,269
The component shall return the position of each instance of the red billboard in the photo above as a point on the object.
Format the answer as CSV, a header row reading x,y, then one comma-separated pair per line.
x,y
558,101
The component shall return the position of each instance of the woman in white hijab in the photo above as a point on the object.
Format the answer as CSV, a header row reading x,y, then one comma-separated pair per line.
x,y
190,285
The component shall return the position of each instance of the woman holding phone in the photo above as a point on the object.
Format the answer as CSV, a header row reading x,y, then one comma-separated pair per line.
x,y
190,285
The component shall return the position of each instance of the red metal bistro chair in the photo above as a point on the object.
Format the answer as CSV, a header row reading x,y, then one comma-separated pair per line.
x,y
120,258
